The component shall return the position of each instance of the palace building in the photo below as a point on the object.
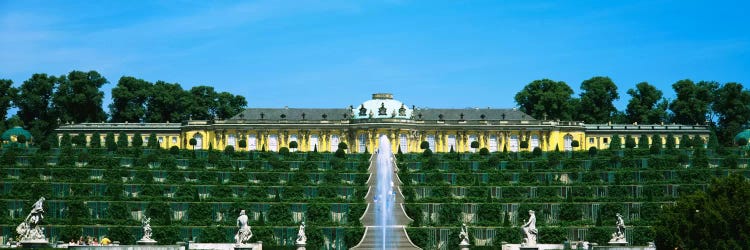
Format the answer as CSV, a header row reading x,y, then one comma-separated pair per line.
x,y
405,126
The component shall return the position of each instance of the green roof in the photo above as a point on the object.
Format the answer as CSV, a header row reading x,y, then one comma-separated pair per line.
x,y
15,131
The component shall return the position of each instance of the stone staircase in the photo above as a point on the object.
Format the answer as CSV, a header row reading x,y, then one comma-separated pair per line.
x,y
396,237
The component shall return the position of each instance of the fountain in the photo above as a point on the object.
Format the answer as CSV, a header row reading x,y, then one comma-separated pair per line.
x,y
384,194
385,218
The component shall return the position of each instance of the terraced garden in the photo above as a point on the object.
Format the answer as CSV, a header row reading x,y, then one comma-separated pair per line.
x,y
189,195
575,196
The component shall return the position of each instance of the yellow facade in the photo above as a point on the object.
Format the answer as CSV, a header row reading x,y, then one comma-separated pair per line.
x,y
361,126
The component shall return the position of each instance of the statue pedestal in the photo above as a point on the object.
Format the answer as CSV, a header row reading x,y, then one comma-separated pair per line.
x,y
33,244
464,246
617,243
146,242
249,246
300,245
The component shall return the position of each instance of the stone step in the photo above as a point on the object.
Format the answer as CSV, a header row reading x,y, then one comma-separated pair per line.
x,y
399,217
396,239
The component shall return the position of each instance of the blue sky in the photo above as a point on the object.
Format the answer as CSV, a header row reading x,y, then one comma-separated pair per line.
x,y
336,53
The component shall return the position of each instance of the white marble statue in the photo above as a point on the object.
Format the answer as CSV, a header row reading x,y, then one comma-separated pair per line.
x,y
464,235
244,233
301,237
29,229
529,229
619,235
146,224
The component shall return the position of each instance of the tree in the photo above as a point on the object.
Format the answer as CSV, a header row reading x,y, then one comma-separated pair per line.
x,y
670,142
242,143
137,140
122,140
66,141
168,102
21,139
546,97
616,142
34,102
193,142
205,101
731,107
646,105
293,145
109,142
686,142
153,141
229,105
629,142
96,140
129,100
575,143
524,144
719,214
597,96
424,145
474,144
482,151
7,94
229,150
643,142
78,98
342,145
80,140
655,144
692,103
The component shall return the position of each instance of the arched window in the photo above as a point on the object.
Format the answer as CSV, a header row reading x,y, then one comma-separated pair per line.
x,y
402,142
313,142
568,142
334,143
472,138
362,143
493,143
273,143
513,143
534,142
252,143
198,141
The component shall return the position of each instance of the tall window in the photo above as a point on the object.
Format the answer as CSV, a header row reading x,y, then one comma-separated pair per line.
x,y
472,138
568,142
231,140
198,141
402,142
534,142
513,143
362,143
273,143
452,143
252,143
292,138
431,141
313,142
493,143
334,143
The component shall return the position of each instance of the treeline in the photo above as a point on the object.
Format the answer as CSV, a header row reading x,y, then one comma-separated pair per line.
x,y
45,101
724,107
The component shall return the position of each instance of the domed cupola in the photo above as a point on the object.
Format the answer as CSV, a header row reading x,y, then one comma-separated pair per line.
x,y
383,105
